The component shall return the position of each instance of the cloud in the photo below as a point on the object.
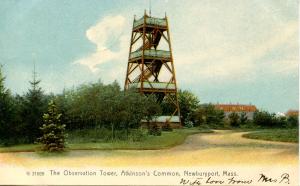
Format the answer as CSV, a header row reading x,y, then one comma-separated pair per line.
x,y
111,43
282,34
238,50
211,45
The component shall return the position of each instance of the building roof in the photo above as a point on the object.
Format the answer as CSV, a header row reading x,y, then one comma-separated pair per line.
x,y
292,113
236,108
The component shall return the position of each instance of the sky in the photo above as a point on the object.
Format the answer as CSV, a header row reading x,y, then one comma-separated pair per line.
x,y
225,51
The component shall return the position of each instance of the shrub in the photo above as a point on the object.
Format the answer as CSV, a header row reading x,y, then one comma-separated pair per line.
x,y
154,130
167,127
189,124
292,121
234,119
137,135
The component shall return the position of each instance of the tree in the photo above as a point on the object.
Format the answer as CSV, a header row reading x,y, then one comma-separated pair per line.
x,y
35,105
53,131
18,120
214,117
234,119
6,113
188,103
130,107
63,102
152,109
293,121
111,102
243,118
263,119
106,107
199,116
279,121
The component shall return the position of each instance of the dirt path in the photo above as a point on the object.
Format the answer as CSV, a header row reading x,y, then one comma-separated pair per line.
x,y
219,148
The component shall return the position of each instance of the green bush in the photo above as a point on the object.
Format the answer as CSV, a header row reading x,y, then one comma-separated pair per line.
x,y
234,119
154,130
189,124
137,135
104,135
292,122
167,127
249,125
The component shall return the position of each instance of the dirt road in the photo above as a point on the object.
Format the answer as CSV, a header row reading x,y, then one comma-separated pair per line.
x,y
219,148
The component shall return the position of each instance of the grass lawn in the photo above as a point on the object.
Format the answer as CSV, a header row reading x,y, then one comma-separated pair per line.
x,y
166,140
283,135
19,148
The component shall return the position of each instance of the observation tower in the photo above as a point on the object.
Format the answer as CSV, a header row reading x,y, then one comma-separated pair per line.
x,y
150,68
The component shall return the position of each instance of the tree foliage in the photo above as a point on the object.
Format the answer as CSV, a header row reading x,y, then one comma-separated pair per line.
x,y
90,106
266,120
199,116
293,121
234,119
34,105
214,116
109,111
208,115
53,131
7,128
106,107
188,103
243,118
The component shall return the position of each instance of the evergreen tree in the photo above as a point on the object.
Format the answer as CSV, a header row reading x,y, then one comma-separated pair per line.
x,y
34,107
6,113
53,132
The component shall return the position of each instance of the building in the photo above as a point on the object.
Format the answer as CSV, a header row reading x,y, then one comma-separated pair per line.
x,y
292,113
237,108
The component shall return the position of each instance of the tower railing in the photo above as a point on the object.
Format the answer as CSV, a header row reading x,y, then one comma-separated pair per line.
x,y
151,53
154,85
150,21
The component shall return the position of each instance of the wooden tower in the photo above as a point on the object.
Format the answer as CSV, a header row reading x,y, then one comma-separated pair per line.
x,y
150,67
